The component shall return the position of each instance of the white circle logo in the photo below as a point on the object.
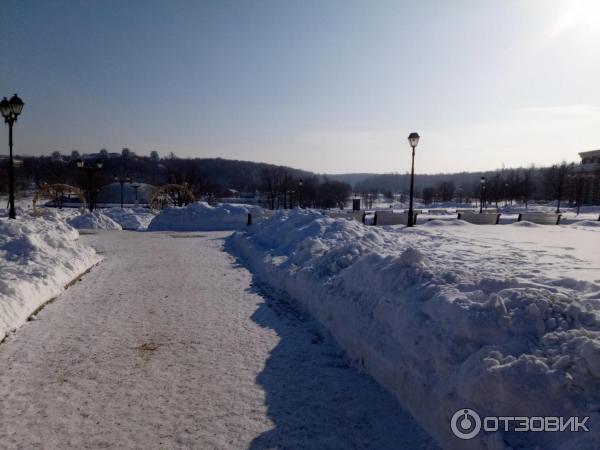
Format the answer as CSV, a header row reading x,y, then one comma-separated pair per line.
x,y
465,424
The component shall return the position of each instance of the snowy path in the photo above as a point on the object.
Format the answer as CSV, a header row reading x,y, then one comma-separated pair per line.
x,y
167,344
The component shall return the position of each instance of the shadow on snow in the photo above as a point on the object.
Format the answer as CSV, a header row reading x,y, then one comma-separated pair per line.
x,y
315,399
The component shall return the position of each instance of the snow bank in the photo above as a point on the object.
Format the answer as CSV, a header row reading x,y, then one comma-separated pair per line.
x,y
450,317
38,257
200,216
130,218
447,223
587,223
96,220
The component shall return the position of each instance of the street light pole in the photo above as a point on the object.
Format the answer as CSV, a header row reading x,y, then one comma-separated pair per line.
x,y
90,171
10,111
481,200
300,185
122,181
136,186
413,140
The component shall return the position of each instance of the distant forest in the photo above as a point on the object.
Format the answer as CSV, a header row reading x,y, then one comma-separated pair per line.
x,y
282,187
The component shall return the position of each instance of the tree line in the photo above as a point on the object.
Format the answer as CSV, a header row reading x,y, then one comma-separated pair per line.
x,y
280,186
559,182
207,178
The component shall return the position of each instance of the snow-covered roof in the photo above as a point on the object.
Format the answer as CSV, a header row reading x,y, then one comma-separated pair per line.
x,y
589,153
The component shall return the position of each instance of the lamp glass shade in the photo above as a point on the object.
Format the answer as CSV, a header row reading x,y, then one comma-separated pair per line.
x,y
80,163
99,164
413,139
5,108
300,183
482,180
16,105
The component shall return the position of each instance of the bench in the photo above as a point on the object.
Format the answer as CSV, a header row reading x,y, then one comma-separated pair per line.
x,y
358,216
476,210
392,218
485,218
415,211
541,218
437,211
349,215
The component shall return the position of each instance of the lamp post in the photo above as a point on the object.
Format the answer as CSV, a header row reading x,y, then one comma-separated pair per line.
x,y
413,140
481,199
300,184
10,110
90,170
122,181
136,186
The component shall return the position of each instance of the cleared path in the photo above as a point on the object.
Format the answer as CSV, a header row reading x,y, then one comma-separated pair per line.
x,y
168,344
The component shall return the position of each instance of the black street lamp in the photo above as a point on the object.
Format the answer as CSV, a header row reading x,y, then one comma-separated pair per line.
x,y
90,170
122,181
413,140
481,199
136,186
300,185
10,111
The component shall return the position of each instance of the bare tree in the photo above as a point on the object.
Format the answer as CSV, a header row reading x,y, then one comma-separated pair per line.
x,y
445,190
555,178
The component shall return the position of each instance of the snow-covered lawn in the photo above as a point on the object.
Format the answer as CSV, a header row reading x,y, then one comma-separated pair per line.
x,y
38,257
501,319
200,216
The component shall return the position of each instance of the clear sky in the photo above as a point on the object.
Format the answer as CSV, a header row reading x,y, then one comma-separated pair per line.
x,y
326,85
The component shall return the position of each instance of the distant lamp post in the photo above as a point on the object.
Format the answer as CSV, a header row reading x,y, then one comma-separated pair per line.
x,y
90,170
413,140
10,110
481,199
122,181
135,187
300,185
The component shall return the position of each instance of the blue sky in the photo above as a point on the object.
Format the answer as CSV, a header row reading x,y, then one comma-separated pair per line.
x,y
327,85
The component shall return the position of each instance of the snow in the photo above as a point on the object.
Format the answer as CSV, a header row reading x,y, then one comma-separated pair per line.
x,y
200,216
95,220
38,257
169,343
136,218
500,319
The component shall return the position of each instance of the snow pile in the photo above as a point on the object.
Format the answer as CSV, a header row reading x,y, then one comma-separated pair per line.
x,y
498,319
38,257
130,218
587,223
96,220
200,216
